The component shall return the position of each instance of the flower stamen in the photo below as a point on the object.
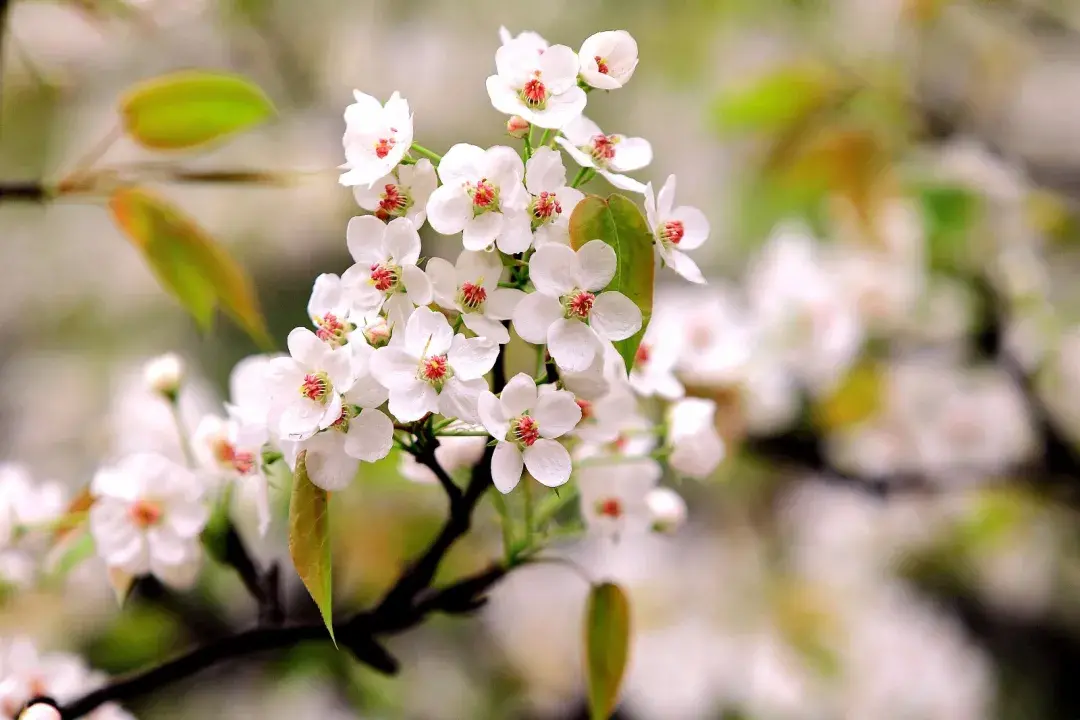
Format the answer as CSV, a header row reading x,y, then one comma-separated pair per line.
x,y
383,146
544,208
525,430
472,296
435,371
671,232
393,203
145,513
386,277
578,304
534,94
609,507
316,387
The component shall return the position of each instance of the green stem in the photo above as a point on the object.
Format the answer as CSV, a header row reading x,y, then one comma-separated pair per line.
x,y
528,514
499,502
584,175
528,143
544,137
181,432
432,156
551,506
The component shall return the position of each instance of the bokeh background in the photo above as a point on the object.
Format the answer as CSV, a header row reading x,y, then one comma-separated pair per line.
x,y
893,534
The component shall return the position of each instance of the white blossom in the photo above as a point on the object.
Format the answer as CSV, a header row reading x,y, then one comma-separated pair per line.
x,y
666,508
525,422
402,193
540,87
696,447
552,200
483,198
385,275
305,388
614,496
471,286
538,43
568,311
608,59
675,230
249,402
433,370
329,308
219,450
376,138
609,155
164,374
147,516
653,372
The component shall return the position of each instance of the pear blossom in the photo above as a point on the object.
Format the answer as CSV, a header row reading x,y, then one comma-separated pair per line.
x,y
329,308
608,59
164,374
249,402
605,418
483,198
538,86
568,311
609,155
552,200
385,275
535,40
26,503
676,229
471,286
517,127
402,193
666,508
376,138
219,450
614,497
377,333
305,388
433,370
525,422
147,516
653,372
696,447
454,453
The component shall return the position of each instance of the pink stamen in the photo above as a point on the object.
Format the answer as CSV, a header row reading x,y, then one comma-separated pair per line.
x,y
580,305
672,232
526,430
383,277
392,203
546,206
314,387
610,507
472,296
435,368
383,146
601,64
145,513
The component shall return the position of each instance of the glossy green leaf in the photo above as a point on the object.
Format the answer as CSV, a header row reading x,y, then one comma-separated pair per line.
x,y
607,647
189,263
619,223
309,539
191,108
776,100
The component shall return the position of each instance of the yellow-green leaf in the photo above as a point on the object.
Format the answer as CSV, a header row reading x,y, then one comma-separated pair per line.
x,y
778,99
607,647
309,539
190,108
189,263
619,223
858,397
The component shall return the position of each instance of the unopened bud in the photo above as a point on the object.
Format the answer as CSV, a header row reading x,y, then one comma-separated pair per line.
x,y
40,711
377,333
667,509
517,127
164,375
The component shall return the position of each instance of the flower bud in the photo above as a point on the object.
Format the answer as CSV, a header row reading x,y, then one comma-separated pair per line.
x,y
667,509
40,711
164,374
517,127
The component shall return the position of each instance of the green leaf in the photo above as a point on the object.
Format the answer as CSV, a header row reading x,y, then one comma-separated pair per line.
x,y
189,263
607,647
776,100
191,108
309,539
949,214
619,223
74,548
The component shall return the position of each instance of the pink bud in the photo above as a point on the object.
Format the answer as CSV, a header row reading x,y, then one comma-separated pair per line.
x,y
40,711
517,127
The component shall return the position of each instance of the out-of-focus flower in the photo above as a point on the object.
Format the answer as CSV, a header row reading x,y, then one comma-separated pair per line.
x,y
614,496
434,370
471,286
402,193
608,59
376,138
552,201
653,372
667,509
249,399
164,374
147,517
385,275
525,423
609,155
483,198
568,311
676,229
218,449
540,87
696,447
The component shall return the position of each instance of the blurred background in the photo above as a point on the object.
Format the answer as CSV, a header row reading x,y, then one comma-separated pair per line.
x,y
893,533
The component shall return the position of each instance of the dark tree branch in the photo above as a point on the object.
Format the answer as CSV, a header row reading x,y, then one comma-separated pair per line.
x,y
261,585
34,192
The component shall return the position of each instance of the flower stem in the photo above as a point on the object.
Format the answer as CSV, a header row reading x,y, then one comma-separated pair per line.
x,y
544,138
181,432
432,156
584,175
499,502
528,143
550,506
528,514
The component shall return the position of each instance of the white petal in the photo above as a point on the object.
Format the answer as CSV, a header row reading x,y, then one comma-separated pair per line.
x,y
515,235
462,163
480,268
572,344
561,109
681,263
327,464
545,172
188,518
448,209
590,72
554,270
364,237
180,576
631,154
665,199
695,226
399,309
534,315
402,241
501,303
597,261
427,333
444,282
556,413
491,414
581,158
370,436
615,316
519,395
504,167
581,131
486,327
472,358
559,68
393,366
327,295
166,546
417,284
412,400
506,464
623,182
460,398
368,392
503,96
369,197
480,232
306,348
338,365
548,462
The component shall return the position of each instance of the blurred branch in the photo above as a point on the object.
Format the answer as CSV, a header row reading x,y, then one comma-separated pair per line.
x,y
262,585
34,192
